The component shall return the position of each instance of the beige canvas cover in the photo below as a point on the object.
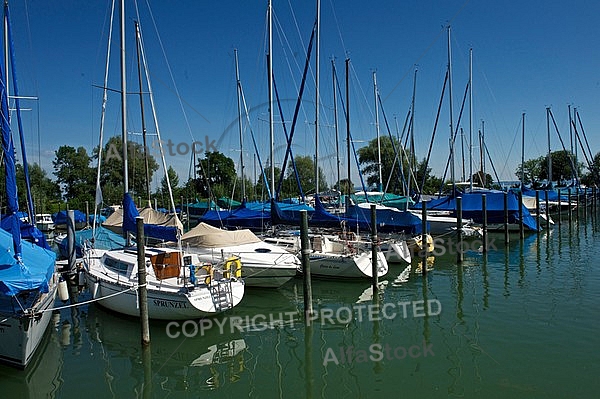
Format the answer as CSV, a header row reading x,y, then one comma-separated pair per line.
x,y
207,236
115,221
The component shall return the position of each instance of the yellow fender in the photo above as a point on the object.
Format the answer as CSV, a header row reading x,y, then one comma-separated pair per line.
x,y
233,265
204,272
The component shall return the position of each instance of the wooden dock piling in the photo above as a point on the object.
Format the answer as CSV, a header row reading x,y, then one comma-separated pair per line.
x,y
305,246
142,291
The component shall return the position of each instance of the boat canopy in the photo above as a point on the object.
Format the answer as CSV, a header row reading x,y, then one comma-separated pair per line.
x,y
32,273
207,236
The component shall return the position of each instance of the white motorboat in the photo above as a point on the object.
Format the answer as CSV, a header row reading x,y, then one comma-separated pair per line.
x,y
265,264
179,286
44,222
333,258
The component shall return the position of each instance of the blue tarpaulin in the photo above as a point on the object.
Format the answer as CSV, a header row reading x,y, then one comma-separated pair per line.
x,y
33,273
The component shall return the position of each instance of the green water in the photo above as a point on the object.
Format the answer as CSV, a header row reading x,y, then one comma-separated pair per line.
x,y
520,323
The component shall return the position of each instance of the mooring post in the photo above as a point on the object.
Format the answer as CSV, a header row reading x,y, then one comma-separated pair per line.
x,y
484,210
305,248
559,208
585,204
424,236
459,236
71,241
521,225
547,211
142,290
537,211
87,213
506,237
71,272
576,203
374,248
569,200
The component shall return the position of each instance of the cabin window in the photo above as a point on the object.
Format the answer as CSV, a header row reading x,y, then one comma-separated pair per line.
x,y
116,265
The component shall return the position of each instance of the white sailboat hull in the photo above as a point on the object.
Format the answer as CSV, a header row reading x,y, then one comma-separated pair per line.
x,y
347,266
20,335
168,299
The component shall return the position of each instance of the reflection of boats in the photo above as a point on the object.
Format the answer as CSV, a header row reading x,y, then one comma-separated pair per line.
x,y
28,283
42,377
177,365
220,353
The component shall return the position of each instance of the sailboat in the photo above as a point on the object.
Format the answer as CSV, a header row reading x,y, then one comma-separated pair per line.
x,y
179,285
28,282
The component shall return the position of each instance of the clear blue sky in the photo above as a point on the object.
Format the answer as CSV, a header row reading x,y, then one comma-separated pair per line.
x,y
527,55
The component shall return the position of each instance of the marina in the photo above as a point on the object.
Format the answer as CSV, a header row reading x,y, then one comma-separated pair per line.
x,y
290,252
517,322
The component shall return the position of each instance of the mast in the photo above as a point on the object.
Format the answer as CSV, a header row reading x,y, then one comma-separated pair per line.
x,y
317,72
139,67
484,177
549,160
335,122
412,135
471,119
270,79
348,125
523,153
375,93
239,105
452,176
124,102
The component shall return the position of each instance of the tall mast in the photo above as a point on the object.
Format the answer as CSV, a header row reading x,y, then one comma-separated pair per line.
x,y
239,105
317,72
124,102
484,177
375,93
138,44
348,124
523,153
412,135
471,119
549,149
335,122
452,176
270,79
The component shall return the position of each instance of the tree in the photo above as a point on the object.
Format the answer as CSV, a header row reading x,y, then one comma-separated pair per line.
x,y
216,175
368,157
260,189
43,189
532,169
345,186
73,173
306,173
592,178
111,171
562,166
431,184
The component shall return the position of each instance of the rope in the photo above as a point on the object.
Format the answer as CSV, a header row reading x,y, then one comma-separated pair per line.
x,y
93,300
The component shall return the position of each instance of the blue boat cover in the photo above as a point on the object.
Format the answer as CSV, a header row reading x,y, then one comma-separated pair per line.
x,y
551,194
471,207
62,216
34,271
103,238
130,212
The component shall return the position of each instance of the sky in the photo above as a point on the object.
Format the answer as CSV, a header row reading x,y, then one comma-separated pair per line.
x,y
527,56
